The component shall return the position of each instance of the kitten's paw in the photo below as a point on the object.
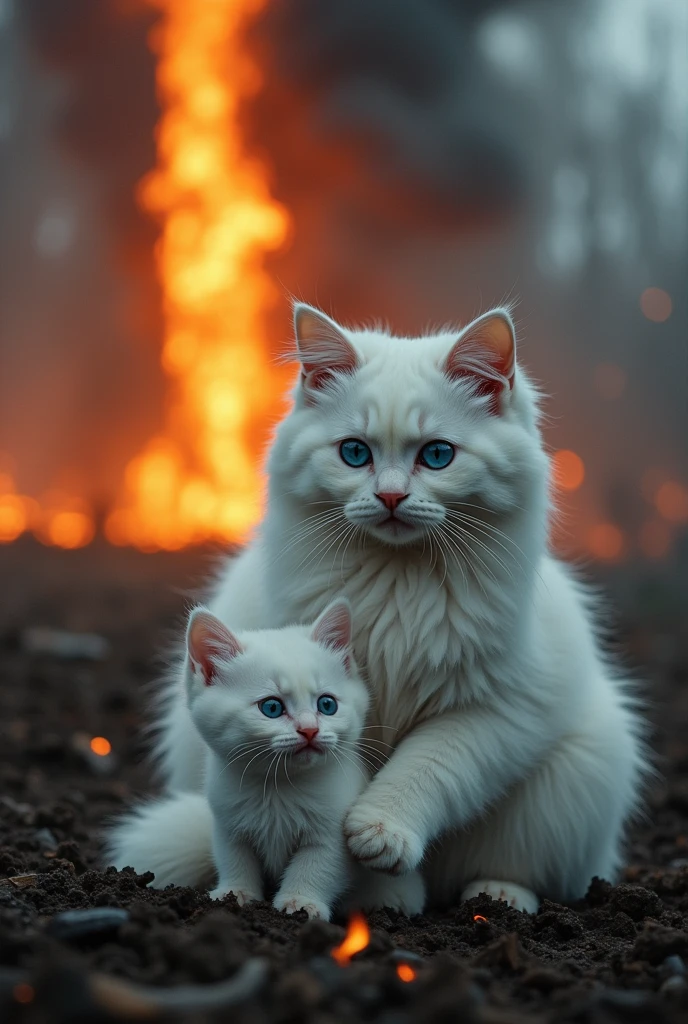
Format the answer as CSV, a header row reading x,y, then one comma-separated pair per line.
x,y
291,903
516,896
380,842
243,896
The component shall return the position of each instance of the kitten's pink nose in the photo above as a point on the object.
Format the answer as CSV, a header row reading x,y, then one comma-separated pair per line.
x,y
390,499
310,734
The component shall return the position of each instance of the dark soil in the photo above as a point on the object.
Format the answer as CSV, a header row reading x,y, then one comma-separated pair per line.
x,y
619,955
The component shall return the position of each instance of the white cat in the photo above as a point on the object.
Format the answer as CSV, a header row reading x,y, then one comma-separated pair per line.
x,y
281,713
410,475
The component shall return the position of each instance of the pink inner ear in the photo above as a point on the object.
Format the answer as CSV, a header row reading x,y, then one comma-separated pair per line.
x,y
323,348
485,353
333,628
208,641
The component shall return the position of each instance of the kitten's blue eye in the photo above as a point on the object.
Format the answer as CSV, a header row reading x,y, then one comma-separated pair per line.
x,y
436,454
272,708
327,705
355,453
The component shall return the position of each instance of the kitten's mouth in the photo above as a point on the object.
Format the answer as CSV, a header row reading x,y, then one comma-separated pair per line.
x,y
395,524
308,748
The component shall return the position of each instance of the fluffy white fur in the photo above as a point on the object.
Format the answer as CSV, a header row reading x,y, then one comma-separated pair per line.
x,y
517,756
277,789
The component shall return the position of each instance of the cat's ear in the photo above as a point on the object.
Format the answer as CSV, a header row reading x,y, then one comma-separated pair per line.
x,y
485,354
334,627
322,346
208,641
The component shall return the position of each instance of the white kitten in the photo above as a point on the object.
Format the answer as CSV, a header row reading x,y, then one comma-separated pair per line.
x,y
410,475
281,712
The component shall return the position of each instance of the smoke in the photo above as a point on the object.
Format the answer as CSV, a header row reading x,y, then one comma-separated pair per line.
x,y
436,156
380,101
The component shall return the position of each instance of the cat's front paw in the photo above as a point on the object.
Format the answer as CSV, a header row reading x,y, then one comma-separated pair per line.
x,y
291,903
380,841
243,896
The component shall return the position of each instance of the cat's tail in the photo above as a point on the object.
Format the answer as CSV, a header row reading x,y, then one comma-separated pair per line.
x,y
170,836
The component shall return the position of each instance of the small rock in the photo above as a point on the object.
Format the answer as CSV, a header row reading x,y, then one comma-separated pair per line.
x,y
77,924
673,965
60,644
674,986
21,881
405,956
45,839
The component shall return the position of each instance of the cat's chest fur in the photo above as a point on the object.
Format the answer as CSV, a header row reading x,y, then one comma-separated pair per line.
x,y
272,827
427,639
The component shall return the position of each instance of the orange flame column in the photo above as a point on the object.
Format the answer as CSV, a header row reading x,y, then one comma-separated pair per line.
x,y
200,478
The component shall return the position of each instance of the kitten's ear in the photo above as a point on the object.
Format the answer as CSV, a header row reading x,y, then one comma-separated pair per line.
x,y
323,348
486,354
334,627
208,641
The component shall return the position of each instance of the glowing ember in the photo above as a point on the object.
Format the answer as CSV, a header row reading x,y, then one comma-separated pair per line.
x,y
480,919
671,500
568,470
405,973
200,478
357,938
99,745
656,304
606,542
609,380
23,993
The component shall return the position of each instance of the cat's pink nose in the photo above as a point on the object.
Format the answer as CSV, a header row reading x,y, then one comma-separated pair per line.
x,y
390,499
310,734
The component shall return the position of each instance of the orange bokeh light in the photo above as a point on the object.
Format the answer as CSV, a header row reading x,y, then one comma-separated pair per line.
x,y
200,478
568,470
655,539
405,973
99,745
13,520
671,501
357,938
23,993
479,919
606,542
609,380
70,529
655,304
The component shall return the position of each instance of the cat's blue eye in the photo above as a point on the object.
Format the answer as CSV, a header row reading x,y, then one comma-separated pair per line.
x,y
355,453
327,705
272,708
436,454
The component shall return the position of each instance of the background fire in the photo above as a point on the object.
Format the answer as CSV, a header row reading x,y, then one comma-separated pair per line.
x,y
177,169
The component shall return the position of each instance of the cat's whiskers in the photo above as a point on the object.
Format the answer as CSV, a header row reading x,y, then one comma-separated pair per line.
x,y
252,748
355,761
471,523
267,773
305,530
437,533
457,546
347,534
265,750
456,529
330,538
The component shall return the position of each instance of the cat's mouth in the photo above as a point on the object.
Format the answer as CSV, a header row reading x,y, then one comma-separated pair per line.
x,y
309,747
